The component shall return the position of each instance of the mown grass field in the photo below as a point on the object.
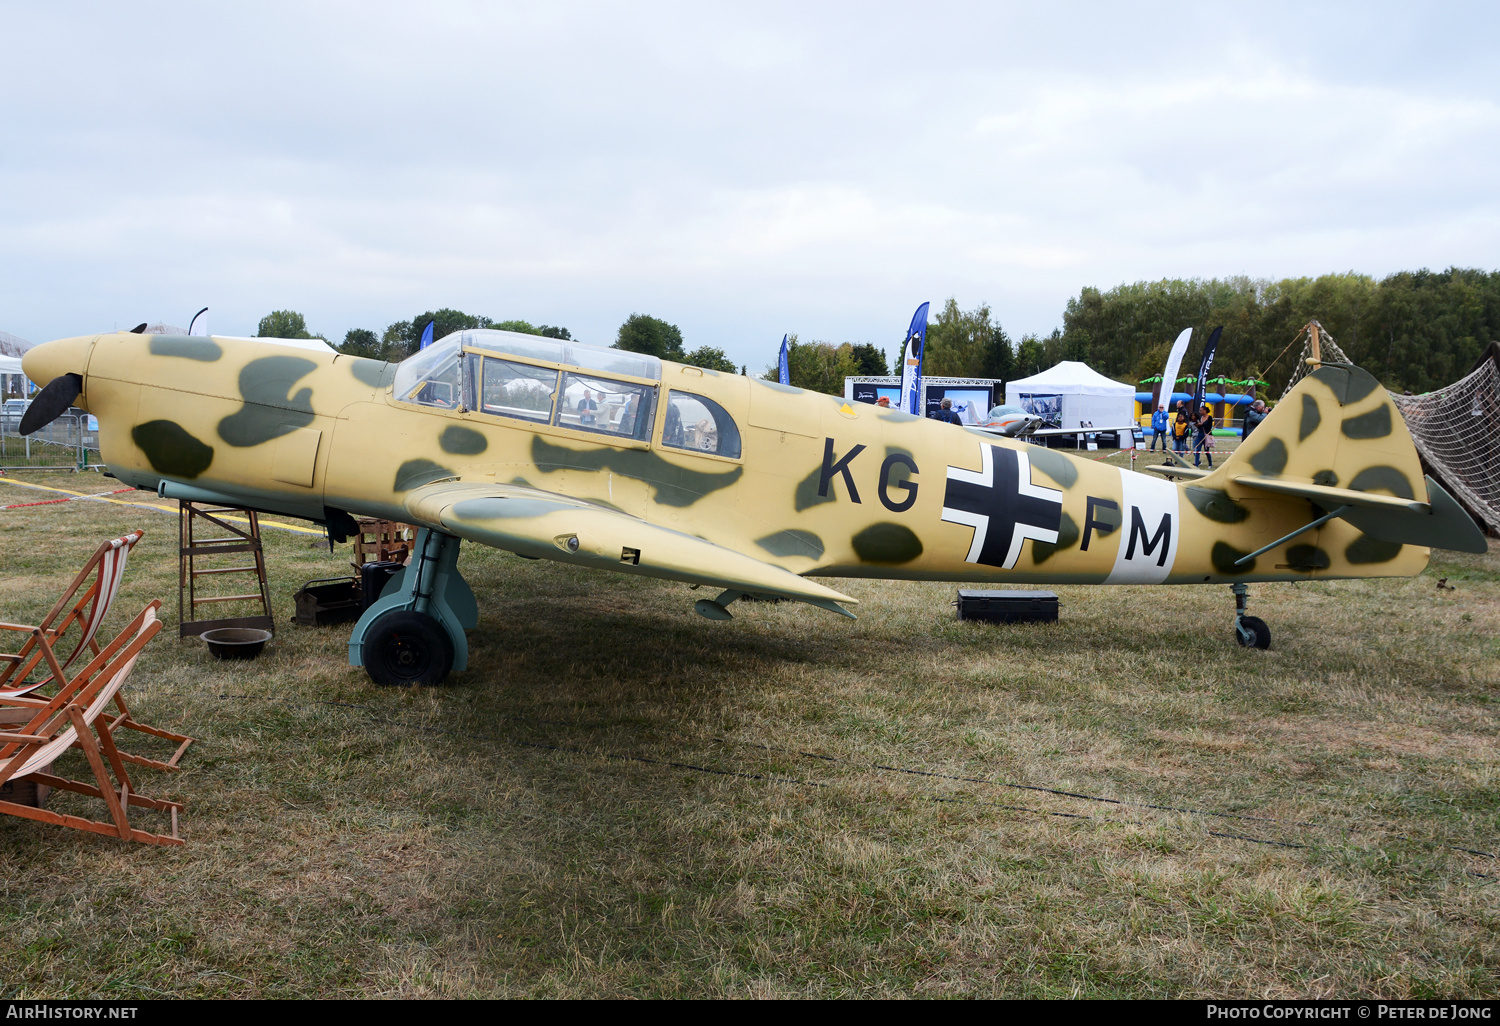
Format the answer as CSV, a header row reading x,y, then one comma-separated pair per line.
x,y
620,798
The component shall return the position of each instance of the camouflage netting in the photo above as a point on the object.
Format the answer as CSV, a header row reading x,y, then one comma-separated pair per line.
x,y
1456,430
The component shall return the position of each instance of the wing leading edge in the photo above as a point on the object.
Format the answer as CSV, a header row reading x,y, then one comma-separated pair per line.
x,y
546,525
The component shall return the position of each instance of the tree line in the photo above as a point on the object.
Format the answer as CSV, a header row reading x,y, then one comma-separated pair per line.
x,y
641,333
1414,330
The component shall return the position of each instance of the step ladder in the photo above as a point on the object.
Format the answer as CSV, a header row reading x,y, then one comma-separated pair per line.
x,y
206,535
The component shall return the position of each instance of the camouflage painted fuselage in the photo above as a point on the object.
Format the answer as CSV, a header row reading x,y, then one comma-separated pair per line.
x,y
822,488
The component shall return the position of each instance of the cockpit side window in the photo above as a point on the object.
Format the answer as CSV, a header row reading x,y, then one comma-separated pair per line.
x,y
517,390
432,377
699,424
608,407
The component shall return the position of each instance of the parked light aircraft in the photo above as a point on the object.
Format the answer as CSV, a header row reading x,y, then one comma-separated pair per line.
x,y
1015,422
617,461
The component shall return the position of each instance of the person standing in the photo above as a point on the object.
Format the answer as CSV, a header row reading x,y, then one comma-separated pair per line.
x,y
1159,428
1253,416
1180,427
1205,428
588,410
946,415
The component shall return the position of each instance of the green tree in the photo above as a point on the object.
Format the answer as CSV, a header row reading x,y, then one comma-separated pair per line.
x,y
524,327
713,359
1000,362
395,342
1030,358
967,344
1415,329
361,342
653,336
283,324
817,366
869,360
958,341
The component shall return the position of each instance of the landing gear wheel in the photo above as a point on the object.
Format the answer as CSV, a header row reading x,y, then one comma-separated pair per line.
x,y
404,648
1252,632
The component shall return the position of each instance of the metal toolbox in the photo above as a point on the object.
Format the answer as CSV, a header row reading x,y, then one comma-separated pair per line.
x,y
1007,606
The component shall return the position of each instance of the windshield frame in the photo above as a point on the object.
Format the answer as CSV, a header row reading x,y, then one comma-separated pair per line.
x,y
416,371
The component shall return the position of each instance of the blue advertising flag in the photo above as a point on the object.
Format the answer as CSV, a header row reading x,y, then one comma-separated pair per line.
x,y
911,362
426,336
1208,361
783,371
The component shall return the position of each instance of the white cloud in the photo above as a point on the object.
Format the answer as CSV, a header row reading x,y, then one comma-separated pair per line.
x,y
741,171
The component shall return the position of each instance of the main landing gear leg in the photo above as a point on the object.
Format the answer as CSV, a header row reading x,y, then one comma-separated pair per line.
x,y
414,633
1249,631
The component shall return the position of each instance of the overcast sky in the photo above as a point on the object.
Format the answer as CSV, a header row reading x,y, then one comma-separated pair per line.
x,y
740,171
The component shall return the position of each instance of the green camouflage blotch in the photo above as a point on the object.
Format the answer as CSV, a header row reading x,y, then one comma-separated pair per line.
x,y
1388,478
1326,478
1271,459
1056,466
1067,534
191,347
672,485
807,495
1307,558
1223,556
1375,424
462,441
1348,384
1365,549
171,449
419,472
1216,505
270,409
370,372
1311,417
1361,383
792,543
887,543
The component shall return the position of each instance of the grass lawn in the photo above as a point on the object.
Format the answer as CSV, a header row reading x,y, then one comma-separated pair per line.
x,y
622,798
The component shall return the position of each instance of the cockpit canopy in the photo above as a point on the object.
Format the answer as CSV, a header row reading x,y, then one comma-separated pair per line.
x,y
533,378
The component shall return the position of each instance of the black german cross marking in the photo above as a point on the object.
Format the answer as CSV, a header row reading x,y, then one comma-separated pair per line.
x,y
1002,505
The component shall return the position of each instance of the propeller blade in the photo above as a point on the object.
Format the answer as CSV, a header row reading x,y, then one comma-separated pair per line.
x,y
51,402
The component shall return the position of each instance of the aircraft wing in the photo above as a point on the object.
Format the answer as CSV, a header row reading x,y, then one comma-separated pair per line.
x,y
1044,432
546,525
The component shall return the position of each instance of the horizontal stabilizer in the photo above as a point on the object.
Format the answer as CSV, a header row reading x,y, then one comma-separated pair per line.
x,y
1327,496
1439,523
1168,470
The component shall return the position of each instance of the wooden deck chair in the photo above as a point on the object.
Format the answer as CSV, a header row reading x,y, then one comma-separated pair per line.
x,y
84,611
81,611
75,717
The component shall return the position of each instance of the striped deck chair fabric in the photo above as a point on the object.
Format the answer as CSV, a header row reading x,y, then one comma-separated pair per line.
x,y
74,718
73,612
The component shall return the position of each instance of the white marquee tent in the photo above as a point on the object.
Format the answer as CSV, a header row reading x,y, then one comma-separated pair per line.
x,y
11,377
1072,393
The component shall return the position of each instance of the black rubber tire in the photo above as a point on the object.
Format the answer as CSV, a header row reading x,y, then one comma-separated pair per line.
x,y
403,648
1261,634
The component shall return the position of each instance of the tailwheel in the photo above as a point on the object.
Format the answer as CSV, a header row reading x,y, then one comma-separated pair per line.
x,y
404,647
1252,632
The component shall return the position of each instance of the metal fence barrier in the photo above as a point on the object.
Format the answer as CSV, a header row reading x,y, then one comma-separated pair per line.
x,y
71,442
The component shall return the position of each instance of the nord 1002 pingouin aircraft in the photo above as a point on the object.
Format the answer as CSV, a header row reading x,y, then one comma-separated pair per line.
x,y
617,461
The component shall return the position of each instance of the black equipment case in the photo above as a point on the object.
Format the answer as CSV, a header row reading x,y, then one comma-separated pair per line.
x,y
1007,606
